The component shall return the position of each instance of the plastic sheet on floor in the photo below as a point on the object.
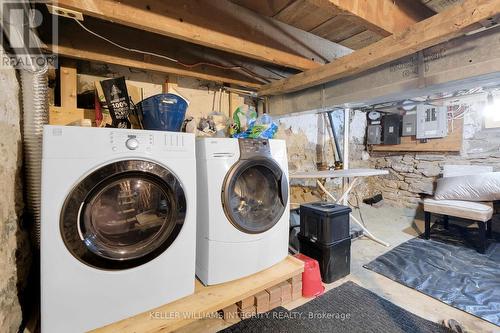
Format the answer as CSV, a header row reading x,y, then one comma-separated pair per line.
x,y
448,267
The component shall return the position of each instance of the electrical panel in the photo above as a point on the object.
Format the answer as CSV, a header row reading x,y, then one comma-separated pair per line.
x,y
409,124
374,134
392,129
432,121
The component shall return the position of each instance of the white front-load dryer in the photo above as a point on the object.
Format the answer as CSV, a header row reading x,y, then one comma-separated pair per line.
x,y
243,207
118,226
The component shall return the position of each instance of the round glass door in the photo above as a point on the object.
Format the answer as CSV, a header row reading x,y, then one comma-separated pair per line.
x,y
255,195
123,215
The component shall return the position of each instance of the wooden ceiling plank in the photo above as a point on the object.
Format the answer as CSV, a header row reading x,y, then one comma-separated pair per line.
x,y
209,26
266,8
360,40
303,15
337,29
384,17
439,28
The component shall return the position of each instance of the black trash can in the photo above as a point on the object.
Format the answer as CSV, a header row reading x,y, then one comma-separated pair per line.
x,y
334,259
324,222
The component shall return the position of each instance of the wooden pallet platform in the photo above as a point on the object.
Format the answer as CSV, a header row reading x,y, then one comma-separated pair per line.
x,y
205,301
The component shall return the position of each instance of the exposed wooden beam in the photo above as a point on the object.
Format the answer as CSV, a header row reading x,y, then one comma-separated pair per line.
x,y
216,24
446,25
384,17
463,63
128,61
75,43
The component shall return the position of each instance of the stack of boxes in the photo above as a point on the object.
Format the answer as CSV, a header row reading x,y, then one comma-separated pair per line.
x,y
325,236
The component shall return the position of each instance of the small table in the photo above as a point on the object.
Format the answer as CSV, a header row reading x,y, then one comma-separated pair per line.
x,y
353,175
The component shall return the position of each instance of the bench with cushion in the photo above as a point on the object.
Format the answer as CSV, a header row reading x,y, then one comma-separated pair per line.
x,y
479,212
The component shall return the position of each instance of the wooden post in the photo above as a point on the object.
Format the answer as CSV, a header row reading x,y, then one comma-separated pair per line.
x,y
68,86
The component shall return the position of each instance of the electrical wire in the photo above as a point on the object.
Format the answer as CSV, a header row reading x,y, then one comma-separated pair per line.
x,y
169,58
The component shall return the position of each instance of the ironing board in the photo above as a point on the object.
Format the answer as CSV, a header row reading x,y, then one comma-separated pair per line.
x,y
352,175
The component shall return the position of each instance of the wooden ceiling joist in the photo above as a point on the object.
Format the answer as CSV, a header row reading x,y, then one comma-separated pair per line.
x,y
75,43
213,24
385,17
446,25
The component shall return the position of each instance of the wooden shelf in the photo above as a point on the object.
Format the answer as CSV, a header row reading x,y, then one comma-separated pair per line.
x,y
206,300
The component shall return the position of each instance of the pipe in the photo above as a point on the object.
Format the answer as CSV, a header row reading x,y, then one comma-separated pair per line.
x,y
337,146
34,87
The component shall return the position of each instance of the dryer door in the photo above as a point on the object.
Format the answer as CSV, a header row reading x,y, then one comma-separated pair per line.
x,y
255,195
123,215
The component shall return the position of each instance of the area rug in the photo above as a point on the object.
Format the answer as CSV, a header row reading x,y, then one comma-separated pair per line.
x,y
448,267
347,308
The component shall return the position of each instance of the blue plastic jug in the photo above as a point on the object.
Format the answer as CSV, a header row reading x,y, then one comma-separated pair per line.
x,y
163,112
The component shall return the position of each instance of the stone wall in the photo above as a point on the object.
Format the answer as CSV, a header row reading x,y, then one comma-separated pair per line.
x,y
413,176
309,148
14,249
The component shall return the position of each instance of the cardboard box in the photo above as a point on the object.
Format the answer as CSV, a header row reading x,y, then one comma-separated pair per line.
x,y
230,314
286,292
246,303
262,299
274,294
247,312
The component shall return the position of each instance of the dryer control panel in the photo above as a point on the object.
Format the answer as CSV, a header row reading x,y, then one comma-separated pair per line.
x,y
254,147
127,141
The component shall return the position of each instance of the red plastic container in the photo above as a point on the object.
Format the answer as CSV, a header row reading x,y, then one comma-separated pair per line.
x,y
311,277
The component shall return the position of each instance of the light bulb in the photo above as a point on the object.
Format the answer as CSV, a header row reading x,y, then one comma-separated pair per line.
x,y
492,108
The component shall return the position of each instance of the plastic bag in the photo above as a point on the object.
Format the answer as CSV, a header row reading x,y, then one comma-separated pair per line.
x,y
263,128
243,118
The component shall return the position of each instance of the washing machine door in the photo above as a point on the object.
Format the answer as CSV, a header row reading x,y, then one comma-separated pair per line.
x,y
123,215
255,194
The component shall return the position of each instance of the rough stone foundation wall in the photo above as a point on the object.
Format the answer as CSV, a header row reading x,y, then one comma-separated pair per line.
x,y
14,249
309,148
413,176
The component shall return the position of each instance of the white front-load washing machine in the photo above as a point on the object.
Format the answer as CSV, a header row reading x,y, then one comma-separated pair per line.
x,y
118,226
243,207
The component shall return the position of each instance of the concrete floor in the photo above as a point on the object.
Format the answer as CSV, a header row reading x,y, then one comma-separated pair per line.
x,y
393,225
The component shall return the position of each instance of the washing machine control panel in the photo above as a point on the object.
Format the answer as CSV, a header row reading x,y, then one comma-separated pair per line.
x,y
252,147
127,141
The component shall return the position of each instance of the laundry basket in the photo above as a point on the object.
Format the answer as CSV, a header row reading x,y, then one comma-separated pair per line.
x,y
163,112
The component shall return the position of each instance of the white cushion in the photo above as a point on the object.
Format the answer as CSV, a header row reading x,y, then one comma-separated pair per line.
x,y
480,187
477,211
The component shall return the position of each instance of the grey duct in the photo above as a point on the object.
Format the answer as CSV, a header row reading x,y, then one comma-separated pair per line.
x,y
35,116
34,86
